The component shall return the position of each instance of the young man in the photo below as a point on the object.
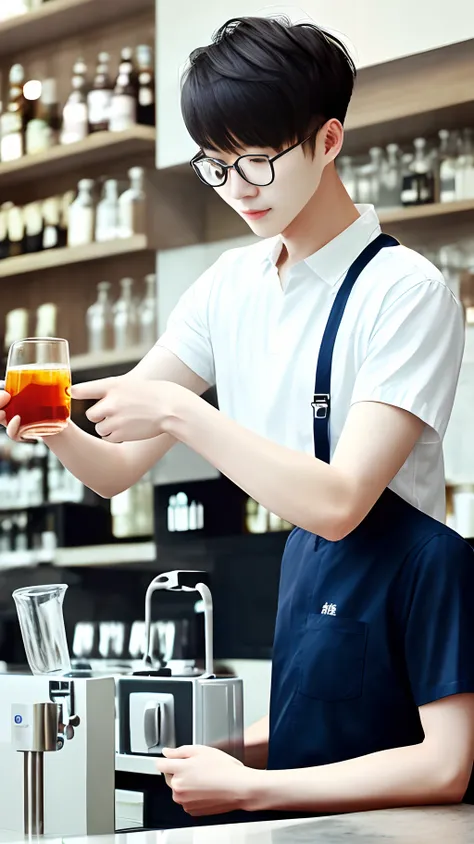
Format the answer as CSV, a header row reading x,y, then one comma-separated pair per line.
x,y
373,677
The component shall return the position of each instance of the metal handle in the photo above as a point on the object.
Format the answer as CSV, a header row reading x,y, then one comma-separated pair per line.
x,y
174,582
33,792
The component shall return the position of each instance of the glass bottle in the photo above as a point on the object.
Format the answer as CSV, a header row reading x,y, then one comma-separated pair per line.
x,y
42,131
418,181
50,210
376,160
16,231
12,121
82,215
99,98
123,109
4,243
132,205
146,86
447,166
125,317
65,203
390,178
33,217
464,167
99,320
106,227
46,320
147,313
75,114
347,175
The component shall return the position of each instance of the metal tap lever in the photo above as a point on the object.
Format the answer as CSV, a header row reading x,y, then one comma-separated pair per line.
x,y
183,581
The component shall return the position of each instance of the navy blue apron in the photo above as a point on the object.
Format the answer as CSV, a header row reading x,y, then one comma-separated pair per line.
x,y
342,683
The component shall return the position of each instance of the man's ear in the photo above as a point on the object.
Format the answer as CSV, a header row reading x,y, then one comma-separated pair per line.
x,y
333,134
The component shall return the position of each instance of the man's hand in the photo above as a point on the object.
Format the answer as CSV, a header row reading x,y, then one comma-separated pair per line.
x,y
128,409
206,781
13,427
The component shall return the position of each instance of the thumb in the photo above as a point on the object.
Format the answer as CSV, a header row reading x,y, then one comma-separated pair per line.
x,y
184,752
92,389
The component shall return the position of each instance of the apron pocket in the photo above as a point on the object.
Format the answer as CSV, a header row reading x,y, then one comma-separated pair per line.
x,y
331,658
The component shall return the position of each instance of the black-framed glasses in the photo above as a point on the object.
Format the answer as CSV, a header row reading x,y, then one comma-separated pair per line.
x,y
255,169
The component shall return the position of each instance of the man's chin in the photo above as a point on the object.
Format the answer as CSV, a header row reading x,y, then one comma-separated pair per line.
x,y
268,226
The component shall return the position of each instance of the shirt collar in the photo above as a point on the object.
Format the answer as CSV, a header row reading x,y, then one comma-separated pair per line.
x,y
333,260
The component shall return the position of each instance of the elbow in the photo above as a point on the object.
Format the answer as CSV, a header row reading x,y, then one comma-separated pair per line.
x,y
453,788
340,524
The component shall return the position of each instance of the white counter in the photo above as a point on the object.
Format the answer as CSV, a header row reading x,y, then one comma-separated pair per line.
x,y
446,825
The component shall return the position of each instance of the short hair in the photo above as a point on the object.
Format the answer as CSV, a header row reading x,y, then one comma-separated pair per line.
x,y
265,82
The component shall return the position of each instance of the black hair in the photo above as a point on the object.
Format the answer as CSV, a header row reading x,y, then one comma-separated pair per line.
x,y
265,82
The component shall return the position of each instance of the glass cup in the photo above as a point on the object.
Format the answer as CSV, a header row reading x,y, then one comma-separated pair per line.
x,y
38,379
40,613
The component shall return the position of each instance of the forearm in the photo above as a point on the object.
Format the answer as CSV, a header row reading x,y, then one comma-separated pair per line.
x,y
256,744
106,468
297,487
400,777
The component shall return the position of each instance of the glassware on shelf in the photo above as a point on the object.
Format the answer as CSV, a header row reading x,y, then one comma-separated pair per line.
x,y
148,314
132,205
99,98
146,86
447,166
40,614
82,215
348,175
464,169
123,108
418,179
46,320
106,225
99,320
75,113
376,155
125,317
391,178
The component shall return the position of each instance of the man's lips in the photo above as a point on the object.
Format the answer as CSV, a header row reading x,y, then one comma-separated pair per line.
x,y
255,215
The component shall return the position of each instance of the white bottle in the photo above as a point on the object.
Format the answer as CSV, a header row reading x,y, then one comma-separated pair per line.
x,y
147,314
82,215
132,205
106,226
125,317
447,170
182,512
171,514
99,321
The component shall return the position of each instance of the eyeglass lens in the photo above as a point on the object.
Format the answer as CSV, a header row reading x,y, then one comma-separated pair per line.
x,y
256,169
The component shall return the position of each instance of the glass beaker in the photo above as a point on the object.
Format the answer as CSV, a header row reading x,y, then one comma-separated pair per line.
x,y
40,613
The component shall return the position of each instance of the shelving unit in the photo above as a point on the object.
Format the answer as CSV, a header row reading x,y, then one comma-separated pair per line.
x,y
98,149
62,19
37,262
426,212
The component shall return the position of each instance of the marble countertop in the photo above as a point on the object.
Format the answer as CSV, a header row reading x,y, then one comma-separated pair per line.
x,y
425,825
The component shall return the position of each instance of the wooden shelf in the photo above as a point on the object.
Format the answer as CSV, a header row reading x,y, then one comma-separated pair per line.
x,y
125,553
61,19
99,148
52,258
425,212
410,97
107,360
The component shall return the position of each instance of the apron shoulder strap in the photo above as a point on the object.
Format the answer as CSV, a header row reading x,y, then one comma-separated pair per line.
x,y
322,389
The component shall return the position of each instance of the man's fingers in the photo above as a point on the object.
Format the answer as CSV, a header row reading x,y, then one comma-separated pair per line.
x,y
92,389
183,752
4,398
169,766
13,428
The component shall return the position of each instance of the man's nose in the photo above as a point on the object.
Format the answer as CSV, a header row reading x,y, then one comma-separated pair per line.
x,y
238,187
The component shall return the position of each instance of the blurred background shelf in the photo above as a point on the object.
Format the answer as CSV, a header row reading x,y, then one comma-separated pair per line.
x,y
110,361
97,149
423,212
52,258
62,19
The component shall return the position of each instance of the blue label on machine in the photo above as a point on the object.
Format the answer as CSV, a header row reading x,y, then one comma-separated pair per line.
x,y
18,719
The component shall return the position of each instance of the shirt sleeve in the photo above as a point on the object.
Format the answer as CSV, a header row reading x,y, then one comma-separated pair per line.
x,y
414,354
187,332
439,632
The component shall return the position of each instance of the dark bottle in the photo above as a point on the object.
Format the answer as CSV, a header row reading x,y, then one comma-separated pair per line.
x,y
146,86
51,210
4,242
123,109
16,231
33,220
42,131
75,113
13,119
418,183
99,98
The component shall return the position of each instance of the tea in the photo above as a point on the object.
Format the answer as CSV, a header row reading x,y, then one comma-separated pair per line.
x,y
40,397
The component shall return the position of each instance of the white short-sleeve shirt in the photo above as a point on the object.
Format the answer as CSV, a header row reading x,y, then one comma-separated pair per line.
x,y
400,342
